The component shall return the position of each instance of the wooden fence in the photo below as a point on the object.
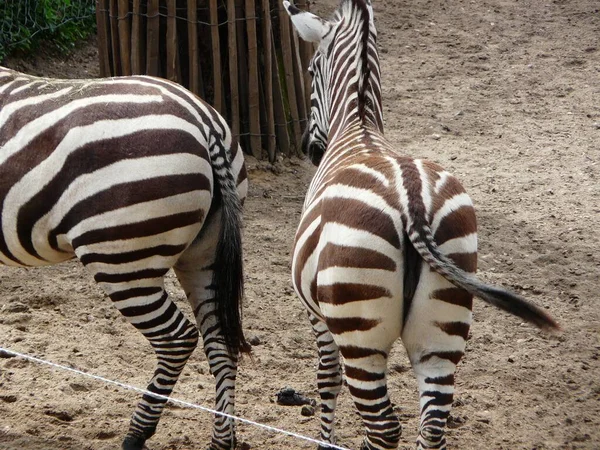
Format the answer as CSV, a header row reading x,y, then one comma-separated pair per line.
x,y
241,56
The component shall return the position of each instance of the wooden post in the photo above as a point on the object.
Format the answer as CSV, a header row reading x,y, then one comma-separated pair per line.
x,y
172,40
216,57
254,89
306,51
233,68
195,80
103,38
298,78
114,37
281,125
268,79
137,40
286,50
153,38
124,36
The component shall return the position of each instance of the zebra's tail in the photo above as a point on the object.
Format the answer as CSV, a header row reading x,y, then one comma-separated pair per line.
x,y
422,239
228,274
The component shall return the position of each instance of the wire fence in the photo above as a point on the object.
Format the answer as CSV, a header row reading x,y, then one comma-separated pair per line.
x,y
25,23
241,56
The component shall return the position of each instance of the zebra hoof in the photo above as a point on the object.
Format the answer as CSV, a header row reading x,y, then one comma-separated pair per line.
x,y
134,443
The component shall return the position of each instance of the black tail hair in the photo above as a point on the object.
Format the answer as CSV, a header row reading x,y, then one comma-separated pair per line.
x,y
228,270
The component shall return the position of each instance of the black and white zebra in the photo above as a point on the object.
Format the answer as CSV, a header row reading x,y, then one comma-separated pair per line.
x,y
133,176
386,246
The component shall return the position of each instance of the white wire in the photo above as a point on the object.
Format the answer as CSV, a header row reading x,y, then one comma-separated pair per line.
x,y
172,400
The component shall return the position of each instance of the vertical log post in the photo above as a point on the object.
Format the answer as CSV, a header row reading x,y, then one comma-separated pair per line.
x,y
216,57
114,37
103,38
172,40
286,50
124,36
153,25
195,71
136,39
268,79
254,92
233,67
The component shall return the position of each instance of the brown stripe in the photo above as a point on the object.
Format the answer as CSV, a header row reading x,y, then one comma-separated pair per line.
x,y
454,296
363,375
134,292
334,255
450,189
448,380
347,324
458,223
302,254
353,352
149,227
342,293
466,261
123,195
450,356
455,328
102,277
368,394
136,255
361,216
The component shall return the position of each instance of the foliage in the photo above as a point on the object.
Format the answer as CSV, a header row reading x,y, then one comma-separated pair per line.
x,y
25,25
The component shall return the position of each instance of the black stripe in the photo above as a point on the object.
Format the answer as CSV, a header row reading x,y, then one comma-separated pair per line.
x,y
149,227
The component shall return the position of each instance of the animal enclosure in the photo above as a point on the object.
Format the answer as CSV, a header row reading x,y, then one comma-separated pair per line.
x,y
240,55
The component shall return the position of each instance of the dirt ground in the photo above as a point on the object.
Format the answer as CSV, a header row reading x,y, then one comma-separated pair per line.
x,y
506,95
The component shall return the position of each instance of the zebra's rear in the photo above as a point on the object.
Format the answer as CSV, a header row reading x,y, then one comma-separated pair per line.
x,y
133,176
386,246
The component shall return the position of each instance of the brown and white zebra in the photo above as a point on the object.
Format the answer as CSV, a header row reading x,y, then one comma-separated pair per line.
x,y
386,246
133,176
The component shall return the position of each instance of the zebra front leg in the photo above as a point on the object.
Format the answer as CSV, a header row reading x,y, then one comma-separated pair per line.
x,y
196,282
329,378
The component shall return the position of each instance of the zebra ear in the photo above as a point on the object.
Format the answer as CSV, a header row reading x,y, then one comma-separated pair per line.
x,y
311,28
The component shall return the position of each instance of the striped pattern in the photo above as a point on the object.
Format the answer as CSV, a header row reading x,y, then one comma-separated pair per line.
x,y
386,245
133,176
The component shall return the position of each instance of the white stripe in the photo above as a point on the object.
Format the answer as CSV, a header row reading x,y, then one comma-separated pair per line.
x,y
139,212
450,205
464,244
425,186
374,173
36,127
30,184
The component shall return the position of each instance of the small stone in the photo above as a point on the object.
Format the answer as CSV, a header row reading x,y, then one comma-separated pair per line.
x,y
8,398
6,355
254,340
307,411
435,137
16,307
511,359
453,158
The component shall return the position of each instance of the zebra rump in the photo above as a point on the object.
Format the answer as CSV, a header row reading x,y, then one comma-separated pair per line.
x,y
134,176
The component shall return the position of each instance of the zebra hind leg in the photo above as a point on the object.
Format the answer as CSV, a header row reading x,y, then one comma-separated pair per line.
x,y
195,273
173,338
434,336
329,379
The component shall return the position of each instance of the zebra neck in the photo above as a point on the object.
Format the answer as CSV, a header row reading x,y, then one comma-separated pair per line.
x,y
355,82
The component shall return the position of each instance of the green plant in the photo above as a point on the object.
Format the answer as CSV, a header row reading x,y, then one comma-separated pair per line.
x,y
25,24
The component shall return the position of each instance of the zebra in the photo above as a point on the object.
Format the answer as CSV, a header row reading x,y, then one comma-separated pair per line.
x,y
133,176
386,247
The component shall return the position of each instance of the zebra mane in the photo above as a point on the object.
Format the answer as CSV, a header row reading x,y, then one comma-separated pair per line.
x,y
360,8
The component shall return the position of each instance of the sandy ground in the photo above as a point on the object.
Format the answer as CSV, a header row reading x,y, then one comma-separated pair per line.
x,y
506,95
